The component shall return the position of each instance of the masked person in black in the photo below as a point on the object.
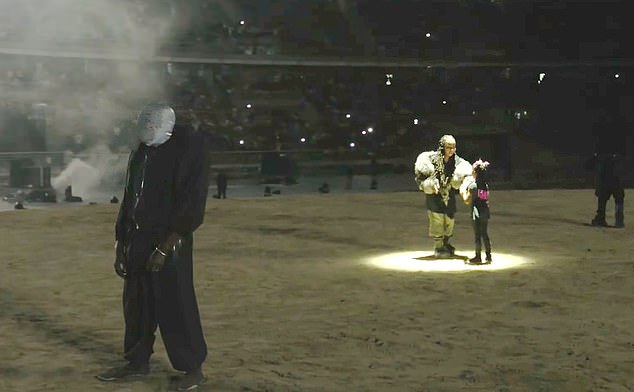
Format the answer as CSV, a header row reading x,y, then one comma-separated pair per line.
x,y
163,204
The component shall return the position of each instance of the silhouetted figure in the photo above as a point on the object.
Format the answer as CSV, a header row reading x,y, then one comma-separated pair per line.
x,y
374,172
68,196
349,176
324,188
221,183
608,184
19,206
267,191
610,130
114,200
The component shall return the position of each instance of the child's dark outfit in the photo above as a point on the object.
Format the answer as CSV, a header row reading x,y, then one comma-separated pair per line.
x,y
480,217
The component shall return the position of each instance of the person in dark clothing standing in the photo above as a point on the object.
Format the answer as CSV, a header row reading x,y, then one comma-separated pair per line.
x,y
221,183
477,196
163,204
611,131
608,183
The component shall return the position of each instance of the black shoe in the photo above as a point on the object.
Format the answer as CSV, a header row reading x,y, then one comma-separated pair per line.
x,y
129,371
449,247
599,222
441,253
475,260
488,258
189,381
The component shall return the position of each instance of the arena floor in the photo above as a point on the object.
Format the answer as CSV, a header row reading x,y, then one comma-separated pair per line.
x,y
324,293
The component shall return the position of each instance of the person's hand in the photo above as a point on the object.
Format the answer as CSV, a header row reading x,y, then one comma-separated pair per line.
x,y
466,198
436,186
156,261
120,261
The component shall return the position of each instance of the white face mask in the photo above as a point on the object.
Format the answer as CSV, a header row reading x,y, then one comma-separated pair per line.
x,y
155,124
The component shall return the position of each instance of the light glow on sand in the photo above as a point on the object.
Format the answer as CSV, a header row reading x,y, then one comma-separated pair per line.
x,y
416,262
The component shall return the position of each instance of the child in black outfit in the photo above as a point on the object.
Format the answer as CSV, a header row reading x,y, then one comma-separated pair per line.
x,y
477,196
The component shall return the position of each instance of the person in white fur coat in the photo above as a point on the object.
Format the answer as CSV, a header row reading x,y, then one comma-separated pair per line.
x,y
441,174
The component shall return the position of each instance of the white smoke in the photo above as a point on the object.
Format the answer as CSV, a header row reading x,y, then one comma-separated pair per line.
x,y
99,89
83,177
93,176
86,99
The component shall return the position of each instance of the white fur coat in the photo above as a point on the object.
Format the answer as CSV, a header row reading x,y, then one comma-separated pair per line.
x,y
424,173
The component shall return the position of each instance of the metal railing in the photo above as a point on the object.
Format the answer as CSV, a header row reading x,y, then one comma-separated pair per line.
x,y
184,54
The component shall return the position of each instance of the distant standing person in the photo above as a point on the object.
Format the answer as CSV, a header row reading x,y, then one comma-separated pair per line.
x,y
68,193
374,172
611,131
349,176
221,183
608,183
477,196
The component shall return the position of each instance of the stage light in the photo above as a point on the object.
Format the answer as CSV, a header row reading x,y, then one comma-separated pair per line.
x,y
348,115
363,132
415,121
444,102
370,130
428,35
541,77
241,142
248,106
352,144
303,140
419,261
242,22
616,76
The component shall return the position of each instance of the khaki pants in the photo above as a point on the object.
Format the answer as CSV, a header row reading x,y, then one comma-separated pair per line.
x,y
440,227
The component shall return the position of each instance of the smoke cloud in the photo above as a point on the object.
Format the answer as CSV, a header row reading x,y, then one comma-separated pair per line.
x,y
86,97
96,174
86,100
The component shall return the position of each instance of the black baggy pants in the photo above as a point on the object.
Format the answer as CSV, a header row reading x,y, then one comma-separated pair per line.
x,y
165,299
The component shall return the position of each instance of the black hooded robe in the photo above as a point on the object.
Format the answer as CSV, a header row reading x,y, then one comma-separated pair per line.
x,y
166,192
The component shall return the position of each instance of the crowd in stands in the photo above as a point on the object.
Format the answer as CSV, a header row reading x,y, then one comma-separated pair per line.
x,y
263,108
257,108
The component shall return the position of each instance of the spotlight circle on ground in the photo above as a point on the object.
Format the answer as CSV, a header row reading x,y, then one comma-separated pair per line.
x,y
414,262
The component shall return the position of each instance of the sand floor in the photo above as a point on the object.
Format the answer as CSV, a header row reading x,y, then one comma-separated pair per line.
x,y
290,301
